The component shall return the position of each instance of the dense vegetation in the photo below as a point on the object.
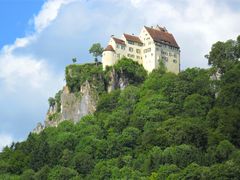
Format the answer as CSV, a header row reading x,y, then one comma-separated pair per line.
x,y
184,126
76,75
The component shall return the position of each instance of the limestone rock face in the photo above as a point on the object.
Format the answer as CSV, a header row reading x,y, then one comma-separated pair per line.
x,y
39,128
117,81
75,106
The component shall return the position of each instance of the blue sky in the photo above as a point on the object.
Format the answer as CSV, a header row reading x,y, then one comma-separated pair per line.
x,y
15,18
38,38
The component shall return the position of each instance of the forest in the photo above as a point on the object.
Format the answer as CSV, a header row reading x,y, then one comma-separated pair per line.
x,y
161,126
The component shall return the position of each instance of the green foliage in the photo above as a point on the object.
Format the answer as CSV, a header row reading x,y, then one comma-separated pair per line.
x,y
96,50
196,105
62,173
51,102
224,54
27,175
76,75
74,60
130,69
161,126
53,116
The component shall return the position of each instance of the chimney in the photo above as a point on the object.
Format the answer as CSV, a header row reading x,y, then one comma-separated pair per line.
x,y
163,29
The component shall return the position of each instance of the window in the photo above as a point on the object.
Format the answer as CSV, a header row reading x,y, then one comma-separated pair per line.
x,y
118,46
138,57
165,58
122,47
157,49
118,55
131,49
170,54
151,54
175,55
130,42
138,51
147,50
131,55
175,61
164,53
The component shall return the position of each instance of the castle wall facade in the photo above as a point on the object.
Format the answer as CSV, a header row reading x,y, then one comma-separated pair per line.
x,y
149,48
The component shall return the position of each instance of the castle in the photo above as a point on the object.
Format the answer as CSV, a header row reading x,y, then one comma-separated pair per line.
x,y
152,45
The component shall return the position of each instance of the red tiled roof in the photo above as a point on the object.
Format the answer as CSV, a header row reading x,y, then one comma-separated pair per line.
x,y
109,48
119,41
132,38
162,37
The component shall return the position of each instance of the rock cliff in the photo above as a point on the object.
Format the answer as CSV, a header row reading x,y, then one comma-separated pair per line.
x,y
117,81
73,105
84,85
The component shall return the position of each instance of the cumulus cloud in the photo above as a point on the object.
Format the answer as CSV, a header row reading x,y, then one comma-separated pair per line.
x,y
26,79
27,69
48,13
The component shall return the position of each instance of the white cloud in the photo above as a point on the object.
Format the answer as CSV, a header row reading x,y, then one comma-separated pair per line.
x,y
5,140
26,77
48,13
27,69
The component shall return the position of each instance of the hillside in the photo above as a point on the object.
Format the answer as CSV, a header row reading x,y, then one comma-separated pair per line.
x,y
158,126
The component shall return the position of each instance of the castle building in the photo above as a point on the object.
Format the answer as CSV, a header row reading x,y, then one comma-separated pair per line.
x,y
149,48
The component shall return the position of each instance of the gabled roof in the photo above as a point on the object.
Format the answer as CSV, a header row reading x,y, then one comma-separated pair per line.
x,y
132,38
119,41
109,48
162,36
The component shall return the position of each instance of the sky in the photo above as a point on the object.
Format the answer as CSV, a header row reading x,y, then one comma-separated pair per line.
x,y
38,38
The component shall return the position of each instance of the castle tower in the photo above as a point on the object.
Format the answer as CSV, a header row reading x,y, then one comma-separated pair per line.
x,y
108,58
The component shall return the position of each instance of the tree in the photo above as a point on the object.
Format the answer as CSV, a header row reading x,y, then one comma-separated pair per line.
x,y
196,105
62,173
27,175
224,150
224,54
51,102
96,50
74,60
83,163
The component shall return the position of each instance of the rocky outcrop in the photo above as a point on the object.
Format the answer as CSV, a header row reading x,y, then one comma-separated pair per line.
x,y
117,81
38,129
76,105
